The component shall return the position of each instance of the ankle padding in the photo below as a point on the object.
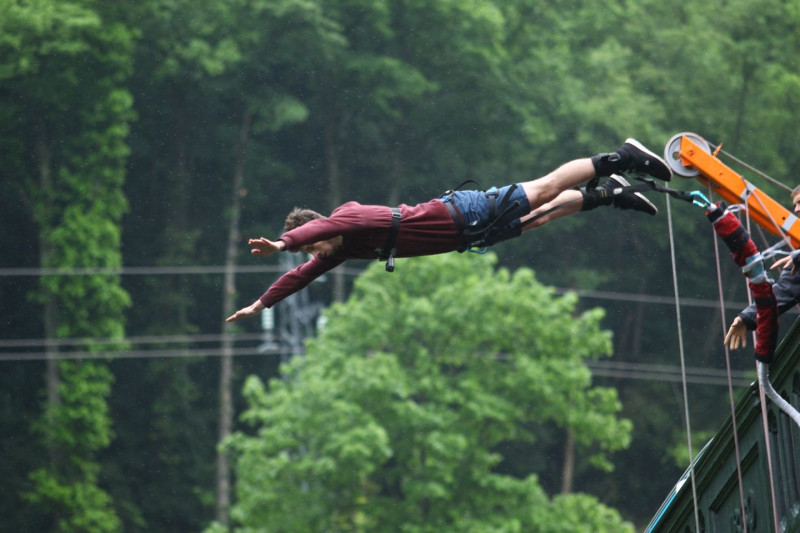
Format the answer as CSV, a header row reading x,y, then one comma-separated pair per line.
x,y
595,198
607,164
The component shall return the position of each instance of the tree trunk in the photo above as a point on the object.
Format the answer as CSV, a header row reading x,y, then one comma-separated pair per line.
x,y
568,468
336,188
229,303
52,377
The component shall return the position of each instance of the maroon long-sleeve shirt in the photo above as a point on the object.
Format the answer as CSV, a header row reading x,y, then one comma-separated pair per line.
x,y
425,229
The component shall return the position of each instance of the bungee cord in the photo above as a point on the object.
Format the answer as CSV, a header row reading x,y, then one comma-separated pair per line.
x,y
772,394
729,373
750,261
763,373
763,380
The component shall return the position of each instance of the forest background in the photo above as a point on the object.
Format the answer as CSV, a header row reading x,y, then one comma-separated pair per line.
x,y
142,141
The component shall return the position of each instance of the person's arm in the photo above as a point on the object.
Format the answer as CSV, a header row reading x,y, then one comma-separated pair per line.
x,y
291,282
787,294
251,310
265,247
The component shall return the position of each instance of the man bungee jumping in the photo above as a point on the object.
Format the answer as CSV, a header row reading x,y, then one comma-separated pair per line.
x,y
456,221
786,290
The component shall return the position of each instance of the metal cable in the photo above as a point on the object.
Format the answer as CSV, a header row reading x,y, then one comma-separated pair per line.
x,y
761,398
683,365
730,381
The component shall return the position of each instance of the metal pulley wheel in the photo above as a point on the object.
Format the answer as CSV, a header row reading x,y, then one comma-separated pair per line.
x,y
672,154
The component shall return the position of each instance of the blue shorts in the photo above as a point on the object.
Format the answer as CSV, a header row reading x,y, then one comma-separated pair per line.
x,y
475,208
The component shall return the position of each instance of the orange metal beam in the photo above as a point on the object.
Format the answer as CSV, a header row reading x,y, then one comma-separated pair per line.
x,y
764,211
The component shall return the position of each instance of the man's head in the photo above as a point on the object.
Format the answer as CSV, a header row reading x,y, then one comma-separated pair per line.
x,y
299,216
796,200
322,249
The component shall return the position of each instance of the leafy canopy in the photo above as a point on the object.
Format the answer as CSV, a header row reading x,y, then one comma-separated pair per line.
x,y
396,417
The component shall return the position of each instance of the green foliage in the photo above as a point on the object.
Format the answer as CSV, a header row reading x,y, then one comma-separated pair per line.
x,y
78,135
79,505
31,33
75,430
394,418
397,100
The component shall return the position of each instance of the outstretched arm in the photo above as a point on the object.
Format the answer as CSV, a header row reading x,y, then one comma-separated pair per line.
x,y
251,310
265,247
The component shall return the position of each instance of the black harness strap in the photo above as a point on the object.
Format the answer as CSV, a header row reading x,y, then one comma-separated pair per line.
x,y
455,215
648,184
547,212
389,250
495,217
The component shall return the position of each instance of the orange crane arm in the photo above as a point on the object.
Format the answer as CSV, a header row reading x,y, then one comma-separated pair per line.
x,y
689,156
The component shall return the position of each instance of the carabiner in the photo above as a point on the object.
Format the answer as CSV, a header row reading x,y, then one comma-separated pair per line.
x,y
699,199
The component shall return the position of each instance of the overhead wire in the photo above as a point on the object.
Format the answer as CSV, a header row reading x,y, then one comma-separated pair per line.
x,y
753,169
271,346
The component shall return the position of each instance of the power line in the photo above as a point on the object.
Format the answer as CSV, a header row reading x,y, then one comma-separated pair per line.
x,y
666,373
135,271
152,270
276,269
612,369
649,298
144,339
143,354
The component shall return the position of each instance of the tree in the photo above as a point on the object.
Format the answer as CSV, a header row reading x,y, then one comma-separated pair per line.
x,y
398,415
78,132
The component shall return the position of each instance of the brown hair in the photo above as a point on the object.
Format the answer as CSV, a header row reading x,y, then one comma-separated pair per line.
x,y
795,191
299,216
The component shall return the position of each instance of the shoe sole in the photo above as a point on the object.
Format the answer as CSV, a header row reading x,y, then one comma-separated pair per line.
x,y
639,146
625,183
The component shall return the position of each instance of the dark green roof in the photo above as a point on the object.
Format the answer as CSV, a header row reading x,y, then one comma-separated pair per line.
x,y
719,497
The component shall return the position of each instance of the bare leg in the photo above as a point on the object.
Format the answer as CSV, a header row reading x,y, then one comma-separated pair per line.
x,y
573,201
558,187
547,188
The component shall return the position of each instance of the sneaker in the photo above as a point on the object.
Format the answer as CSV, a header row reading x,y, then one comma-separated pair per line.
x,y
616,186
640,159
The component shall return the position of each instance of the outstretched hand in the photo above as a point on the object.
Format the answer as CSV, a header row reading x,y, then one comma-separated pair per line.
x,y
265,247
251,310
736,335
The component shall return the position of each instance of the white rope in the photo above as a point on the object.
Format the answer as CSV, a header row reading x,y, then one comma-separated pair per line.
x,y
765,387
754,170
683,367
768,448
784,235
